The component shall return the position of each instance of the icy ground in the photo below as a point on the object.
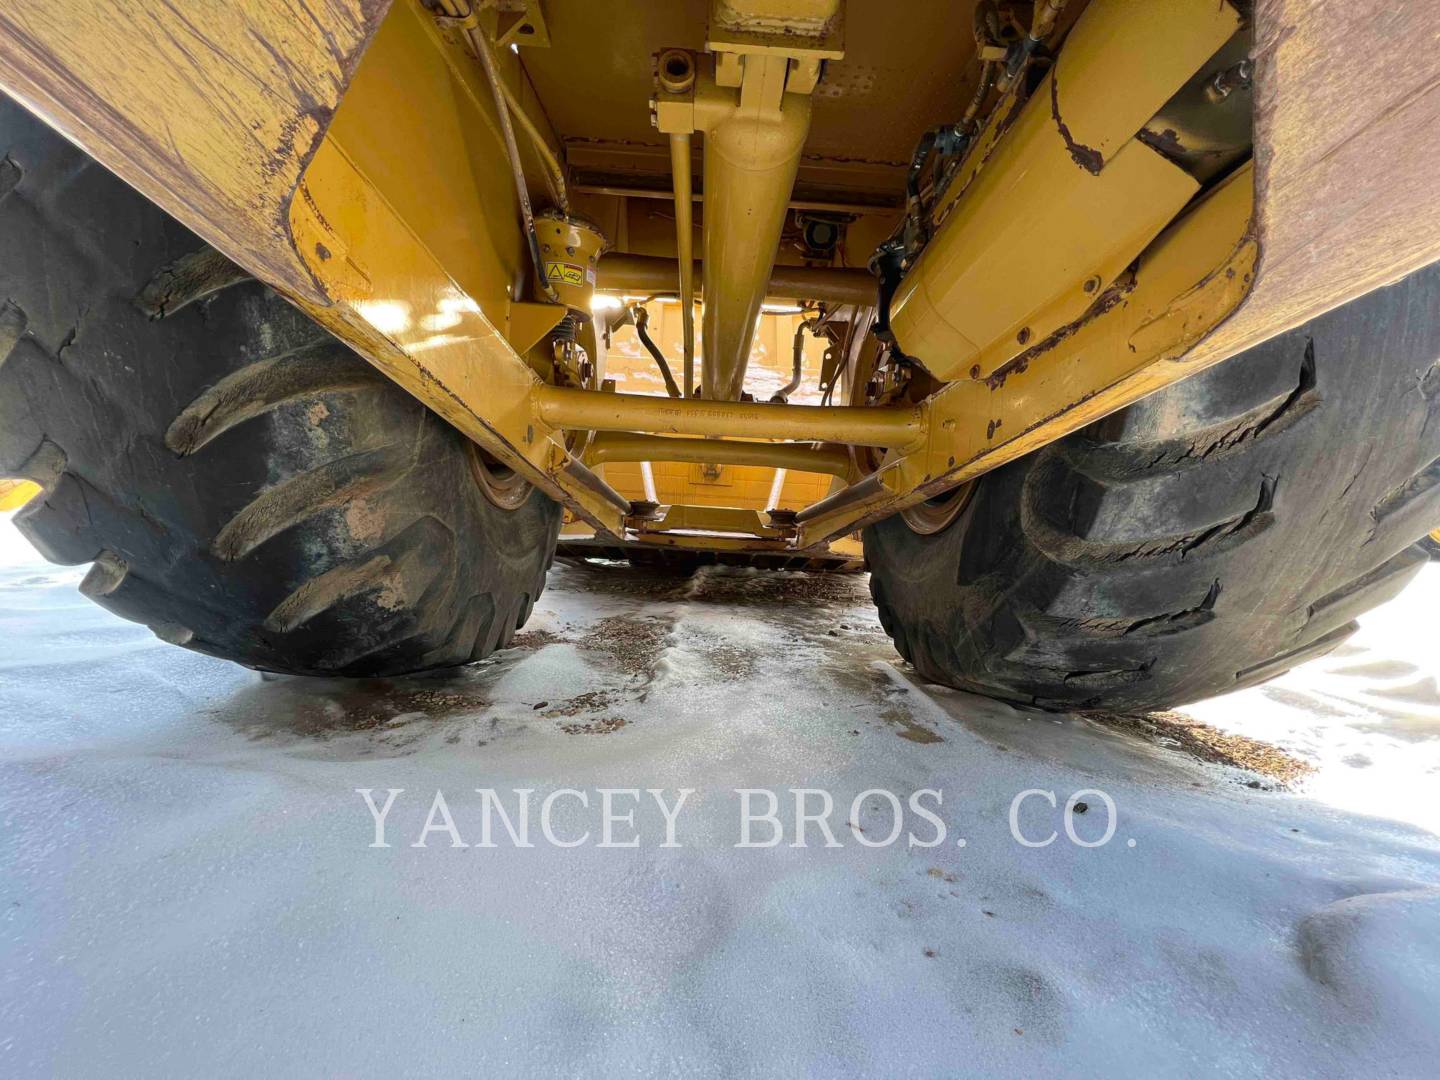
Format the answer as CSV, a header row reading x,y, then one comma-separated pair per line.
x,y
188,889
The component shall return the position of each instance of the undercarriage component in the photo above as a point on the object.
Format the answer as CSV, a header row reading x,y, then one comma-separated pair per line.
x,y
675,73
647,274
1206,127
1069,197
802,457
570,248
753,108
579,410
452,11
751,157
685,252
1187,281
688,560
308,172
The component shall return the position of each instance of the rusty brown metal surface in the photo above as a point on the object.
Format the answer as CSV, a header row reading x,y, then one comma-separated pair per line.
x,y
212,112
1347,106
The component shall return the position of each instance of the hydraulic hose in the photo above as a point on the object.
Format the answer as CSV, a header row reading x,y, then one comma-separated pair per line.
x,y
782,395
481,47
642,320
554,174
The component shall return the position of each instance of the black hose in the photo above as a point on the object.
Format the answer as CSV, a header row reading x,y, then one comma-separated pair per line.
x,y
783,394
512,152
642,317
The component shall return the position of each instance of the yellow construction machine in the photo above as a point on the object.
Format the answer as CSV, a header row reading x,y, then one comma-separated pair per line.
x,y
325,321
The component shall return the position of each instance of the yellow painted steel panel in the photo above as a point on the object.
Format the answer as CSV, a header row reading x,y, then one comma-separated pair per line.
x,y
1189,280
1122,61
1029,247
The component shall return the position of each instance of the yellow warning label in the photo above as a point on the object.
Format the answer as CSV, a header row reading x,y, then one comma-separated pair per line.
x,y
564,273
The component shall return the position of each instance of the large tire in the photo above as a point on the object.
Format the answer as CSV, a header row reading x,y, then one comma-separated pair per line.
x,y
1207,538
242,482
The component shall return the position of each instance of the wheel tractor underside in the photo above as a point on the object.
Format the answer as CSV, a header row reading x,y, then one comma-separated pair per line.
x,y
743,276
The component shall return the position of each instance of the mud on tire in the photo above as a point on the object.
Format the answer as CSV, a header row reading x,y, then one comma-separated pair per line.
x,y
1205,539
241,482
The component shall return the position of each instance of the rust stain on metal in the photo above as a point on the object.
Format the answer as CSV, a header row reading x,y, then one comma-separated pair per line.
x,y
1165,142
1087,157
1103,303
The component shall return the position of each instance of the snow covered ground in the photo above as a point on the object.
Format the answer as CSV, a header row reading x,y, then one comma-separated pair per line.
x,y
188,884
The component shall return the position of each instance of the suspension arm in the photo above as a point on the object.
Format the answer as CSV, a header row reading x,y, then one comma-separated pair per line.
x,y
858,425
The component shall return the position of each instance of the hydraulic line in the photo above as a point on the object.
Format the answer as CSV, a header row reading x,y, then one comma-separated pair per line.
x,y
642,321
1042,22
554,173
782,395
982,89
481,47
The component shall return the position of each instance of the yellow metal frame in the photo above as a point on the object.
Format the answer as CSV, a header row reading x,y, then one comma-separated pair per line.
x,y
419,272
751,101
734,520
561,408
799,457
1064,202
1134,342
424,271
712,528
305,171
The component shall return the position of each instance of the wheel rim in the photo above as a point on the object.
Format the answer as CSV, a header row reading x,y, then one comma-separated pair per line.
x,y
935,515
500,484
